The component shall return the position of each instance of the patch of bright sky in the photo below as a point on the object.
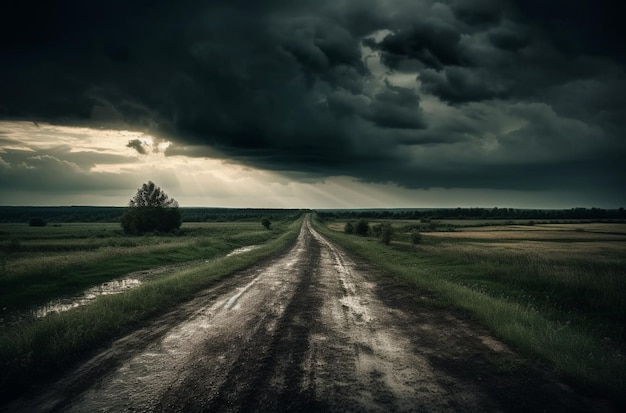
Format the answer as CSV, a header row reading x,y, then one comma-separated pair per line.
x,y
203,181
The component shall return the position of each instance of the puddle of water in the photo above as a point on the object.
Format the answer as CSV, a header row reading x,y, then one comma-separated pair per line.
x,y
107,288
242,250
110,287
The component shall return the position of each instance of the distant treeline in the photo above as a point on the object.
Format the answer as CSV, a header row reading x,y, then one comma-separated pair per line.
x,y
479,213
10,214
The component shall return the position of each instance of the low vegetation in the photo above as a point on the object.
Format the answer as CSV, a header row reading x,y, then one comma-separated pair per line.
x,y
37,222
266,223
555,291
64,261
40,264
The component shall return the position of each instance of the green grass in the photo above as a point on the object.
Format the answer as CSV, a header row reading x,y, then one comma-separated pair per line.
x,y
561,302
53,262
39,348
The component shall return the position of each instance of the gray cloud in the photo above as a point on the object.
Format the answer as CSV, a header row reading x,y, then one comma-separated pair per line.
x,y
137,145
287,86
433,43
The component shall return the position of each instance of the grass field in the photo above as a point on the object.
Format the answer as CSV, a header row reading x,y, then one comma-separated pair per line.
x,y
40,264
555,291
53,262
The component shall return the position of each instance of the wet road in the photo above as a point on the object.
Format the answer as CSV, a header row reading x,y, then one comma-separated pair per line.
x,y
310,330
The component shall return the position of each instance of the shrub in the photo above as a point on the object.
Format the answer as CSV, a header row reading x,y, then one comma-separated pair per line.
x,y
266,223
386,233
348,228
416,237
362,228
376,230
37,222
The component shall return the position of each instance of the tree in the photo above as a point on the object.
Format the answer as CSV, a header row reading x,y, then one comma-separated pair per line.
x,y
37,222
362,228
348,228
151,209
416,236
386,232
266,223
376,230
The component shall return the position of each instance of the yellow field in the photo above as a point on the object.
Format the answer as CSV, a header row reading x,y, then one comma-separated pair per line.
x,y
605,243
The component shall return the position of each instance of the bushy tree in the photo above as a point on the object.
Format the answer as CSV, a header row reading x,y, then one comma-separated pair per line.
x,y
151,209
348,228
37,222
376,230
266,223
416,236
386,232
362,228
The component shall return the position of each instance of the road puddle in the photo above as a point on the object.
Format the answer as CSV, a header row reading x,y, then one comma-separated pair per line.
x,y
107,288
242,250
132,280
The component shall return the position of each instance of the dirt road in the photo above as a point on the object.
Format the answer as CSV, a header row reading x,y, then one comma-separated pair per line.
x,y
310,330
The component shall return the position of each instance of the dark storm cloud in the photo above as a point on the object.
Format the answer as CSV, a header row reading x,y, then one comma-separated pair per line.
x,y
478,12
287,86
457,84
434,43
578,27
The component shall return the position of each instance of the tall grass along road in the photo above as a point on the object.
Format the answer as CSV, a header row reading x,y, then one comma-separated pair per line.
x,y
310,330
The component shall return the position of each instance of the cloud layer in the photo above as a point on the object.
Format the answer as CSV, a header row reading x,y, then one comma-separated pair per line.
x,y
520,95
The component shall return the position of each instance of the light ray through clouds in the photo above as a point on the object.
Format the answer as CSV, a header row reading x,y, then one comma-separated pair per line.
x,y
368,103
107,172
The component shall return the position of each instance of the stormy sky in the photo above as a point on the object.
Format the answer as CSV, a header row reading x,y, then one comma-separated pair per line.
x,y
274,103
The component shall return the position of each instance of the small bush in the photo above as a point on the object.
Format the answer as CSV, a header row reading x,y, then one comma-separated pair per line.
x,y
15,245
416,237
266,223
362,228
376,230
37,222
386,233
348,228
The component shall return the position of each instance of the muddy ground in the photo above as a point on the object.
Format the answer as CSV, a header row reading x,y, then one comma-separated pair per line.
x,y
310,330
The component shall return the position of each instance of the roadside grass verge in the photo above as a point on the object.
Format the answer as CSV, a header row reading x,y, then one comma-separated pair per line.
x,y
63,261
41,348
566,310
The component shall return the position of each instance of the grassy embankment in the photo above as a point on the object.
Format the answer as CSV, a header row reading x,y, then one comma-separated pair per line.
x,y
35,348
553,291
